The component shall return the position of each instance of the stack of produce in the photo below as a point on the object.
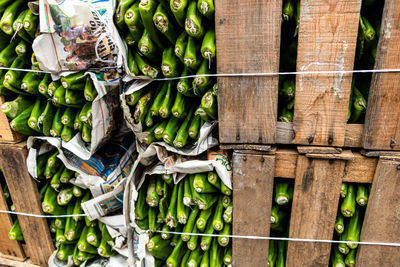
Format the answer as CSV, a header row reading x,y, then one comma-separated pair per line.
x,y
288,56
354,199
74,236
200,203
280,217
176,37
367,42
68,112
170,115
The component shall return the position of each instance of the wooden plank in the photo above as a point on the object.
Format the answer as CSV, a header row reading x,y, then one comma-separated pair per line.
x,y
7,246
36,231
314,208
247,44
382,120
318,150
360,170
381,222
327,41
376,154
285,134
262,148
353,135
345,155
253,180
6,133
285,163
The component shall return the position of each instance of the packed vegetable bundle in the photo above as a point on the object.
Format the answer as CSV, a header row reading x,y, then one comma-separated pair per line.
x,y
172,116
61,108
173,37
354,199
280,217
75,236
199,203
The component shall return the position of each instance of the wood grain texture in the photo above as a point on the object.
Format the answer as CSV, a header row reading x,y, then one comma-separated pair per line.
x,y
25,197
285,134
285,163
318,150
360,170
247,38
345,155
382,121
376,154
327,41
6,133
353,135
8,247
382,218
253,178
261,148
314,208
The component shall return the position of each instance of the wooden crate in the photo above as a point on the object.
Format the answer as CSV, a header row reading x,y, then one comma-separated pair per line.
x,y
327,41
6,133
25,196
318,174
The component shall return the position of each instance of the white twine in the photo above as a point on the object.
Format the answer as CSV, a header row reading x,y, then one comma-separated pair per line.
x,y
42,216
255,74
276,74
231,236
287,239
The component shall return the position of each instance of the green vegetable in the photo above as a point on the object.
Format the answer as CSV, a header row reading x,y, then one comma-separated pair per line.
x,y
170,65
171,129
193,22
49,203
182,212
362,195
177,254
191,223
343,190
165,109
206,7
339,224
65,196
13,108
178,9
147,47
181,43
75,81
31,23
283,193
15,232
272,252
64,251
208,47
164,25
224,241
147,8
7,20
20,123
348,206
351,258
83,244
171,219
159,247
192,57
354,230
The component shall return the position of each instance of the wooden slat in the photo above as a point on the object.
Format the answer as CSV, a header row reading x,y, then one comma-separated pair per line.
x,y
248,38
7,246
285,163
376,154
314,210
345,155
382,121
26,199
381,222
353,135
318,150
252,190
261,148
6,133
327,41
285,134
360,170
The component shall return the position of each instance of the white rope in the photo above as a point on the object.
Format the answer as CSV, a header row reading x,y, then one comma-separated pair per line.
x,y
231,74
286,239
42,216
276,74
